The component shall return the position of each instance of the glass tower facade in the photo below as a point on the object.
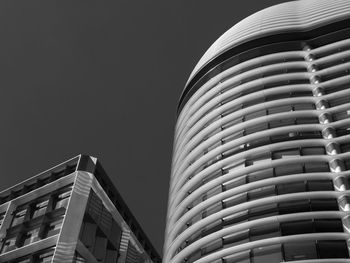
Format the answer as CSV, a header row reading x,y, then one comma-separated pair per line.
x,y
261,159
70,213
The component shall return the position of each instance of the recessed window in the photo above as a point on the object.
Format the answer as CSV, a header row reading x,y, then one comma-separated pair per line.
x,y
267,254
320,185
294,207
332,249
30,237
264,231
212,246
39,208
53,227
297,227
23,260
61,200
19,216
328,225
300,251
242,257
288,188
235,239
9,244
324,205
44,257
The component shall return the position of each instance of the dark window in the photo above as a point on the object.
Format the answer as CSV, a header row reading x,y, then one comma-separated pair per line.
x,y
328,225
294,207
320,185
53,227
264,232
324,205
39,208
19,216
44,256
9,244
333,249
299,251
297,227
291,188
30,236
61,199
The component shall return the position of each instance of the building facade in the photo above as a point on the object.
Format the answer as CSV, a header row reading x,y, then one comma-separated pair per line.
x,y
261,159
70,213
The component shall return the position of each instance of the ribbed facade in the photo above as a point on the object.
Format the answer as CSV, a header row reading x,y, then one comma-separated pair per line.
x,y
261,159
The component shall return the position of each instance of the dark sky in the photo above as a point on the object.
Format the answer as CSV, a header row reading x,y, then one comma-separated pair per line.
x,y
103,78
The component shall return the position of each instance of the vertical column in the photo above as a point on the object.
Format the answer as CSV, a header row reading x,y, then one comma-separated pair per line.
x,y
6,222
332,148
68,238
124,243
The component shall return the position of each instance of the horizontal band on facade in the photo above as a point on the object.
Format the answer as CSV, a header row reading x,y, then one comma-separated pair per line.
x,y
208,70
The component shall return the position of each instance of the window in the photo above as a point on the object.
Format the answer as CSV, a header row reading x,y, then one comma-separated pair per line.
x,y
320,185
263,211
19,216
297,227
30,237
242,257
313,151
264,231
236,218
261,158
261,192
211,228
316,167
260,175
211,247
328,225
299,251
280,109
269,254
194,256
61,200
256,128
288,153
281,123
234,183
345,147
289,169
292,187
235,200
44,257
9,244
339,101
294,207
304,106
22,260
212,209
235,239
332,249
53,227
39,208
324,205
341,115
344,130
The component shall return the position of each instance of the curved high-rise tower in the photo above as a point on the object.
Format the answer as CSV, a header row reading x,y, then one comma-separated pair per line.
x,y
261,160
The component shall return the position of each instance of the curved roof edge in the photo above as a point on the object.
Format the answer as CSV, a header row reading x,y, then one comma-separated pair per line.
x,y
296,16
